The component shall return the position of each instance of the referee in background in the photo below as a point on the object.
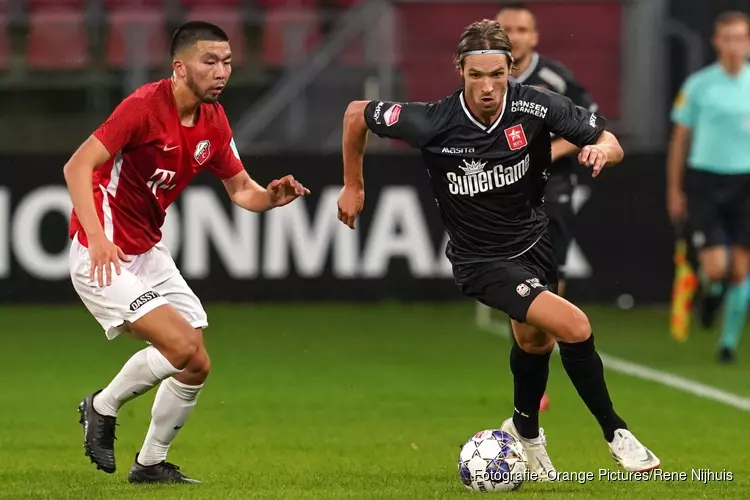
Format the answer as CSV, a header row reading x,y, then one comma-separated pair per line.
x,y
711,135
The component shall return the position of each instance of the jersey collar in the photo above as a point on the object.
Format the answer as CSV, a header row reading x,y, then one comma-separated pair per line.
x,y
743,73
477,122
529,70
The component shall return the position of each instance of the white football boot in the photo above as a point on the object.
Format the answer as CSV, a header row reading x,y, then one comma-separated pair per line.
x,y
631,454
536,452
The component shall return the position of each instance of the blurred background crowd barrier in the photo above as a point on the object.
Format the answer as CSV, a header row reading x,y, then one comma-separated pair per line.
x,y
65,64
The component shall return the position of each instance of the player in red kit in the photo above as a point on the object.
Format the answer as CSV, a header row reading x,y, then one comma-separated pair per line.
x,y
137,163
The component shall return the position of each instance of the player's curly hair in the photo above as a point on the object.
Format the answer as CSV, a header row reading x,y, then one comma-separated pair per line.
x,y
483,35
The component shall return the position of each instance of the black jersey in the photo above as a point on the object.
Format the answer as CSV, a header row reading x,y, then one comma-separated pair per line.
x,y
552,75
488,180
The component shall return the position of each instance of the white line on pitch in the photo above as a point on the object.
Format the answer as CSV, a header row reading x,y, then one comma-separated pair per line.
x,y
645,373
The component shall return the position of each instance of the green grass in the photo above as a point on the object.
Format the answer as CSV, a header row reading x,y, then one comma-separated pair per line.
x,y
329,401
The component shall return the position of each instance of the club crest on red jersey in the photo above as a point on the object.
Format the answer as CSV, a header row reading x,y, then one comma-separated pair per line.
x,y
516,137
202,152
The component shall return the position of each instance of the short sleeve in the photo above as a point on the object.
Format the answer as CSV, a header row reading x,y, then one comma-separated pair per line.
x,y
126,127
684,108
413,122
573,123
227,162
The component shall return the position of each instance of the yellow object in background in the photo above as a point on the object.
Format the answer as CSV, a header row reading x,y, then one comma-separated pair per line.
x,y
683,291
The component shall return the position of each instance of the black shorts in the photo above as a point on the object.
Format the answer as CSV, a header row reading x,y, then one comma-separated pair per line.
x,y
511,285
718,209
558,203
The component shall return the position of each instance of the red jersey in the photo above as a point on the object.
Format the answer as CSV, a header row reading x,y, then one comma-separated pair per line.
x,y
153,158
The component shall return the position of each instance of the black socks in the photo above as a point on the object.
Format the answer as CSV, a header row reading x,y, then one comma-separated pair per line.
x,y
530,372
586,371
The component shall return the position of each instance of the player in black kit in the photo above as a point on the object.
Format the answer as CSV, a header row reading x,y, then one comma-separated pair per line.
x,y
487,152
536,70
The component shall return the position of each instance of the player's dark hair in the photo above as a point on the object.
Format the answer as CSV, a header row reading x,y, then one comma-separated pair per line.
x,y
731,17
486,34
193,32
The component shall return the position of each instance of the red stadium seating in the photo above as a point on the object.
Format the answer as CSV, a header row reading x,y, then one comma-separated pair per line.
x,y
5,48
228,18
592,52
277,22
147,22
272,4
134,4
187,4
32,5
58,38
5,45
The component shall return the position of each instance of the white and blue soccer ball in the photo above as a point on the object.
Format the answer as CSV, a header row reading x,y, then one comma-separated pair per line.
x,y
492,460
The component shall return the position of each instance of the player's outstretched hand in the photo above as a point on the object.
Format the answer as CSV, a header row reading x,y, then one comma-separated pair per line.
x,y
594,157
351,202
104,256
285,190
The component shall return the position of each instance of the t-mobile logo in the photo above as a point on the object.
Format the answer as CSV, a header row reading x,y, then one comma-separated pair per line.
x,y
160,180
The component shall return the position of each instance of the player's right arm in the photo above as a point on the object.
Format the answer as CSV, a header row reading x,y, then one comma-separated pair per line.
x,y
412,122
78,175
683,116
353,145
121,129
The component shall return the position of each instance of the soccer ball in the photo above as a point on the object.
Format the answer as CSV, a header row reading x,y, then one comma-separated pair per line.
x,y
492,460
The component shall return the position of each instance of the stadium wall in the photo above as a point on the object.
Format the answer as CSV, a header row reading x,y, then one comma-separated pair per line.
x,y
623,243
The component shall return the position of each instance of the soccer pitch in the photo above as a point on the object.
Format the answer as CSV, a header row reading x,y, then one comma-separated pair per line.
x,y
357,401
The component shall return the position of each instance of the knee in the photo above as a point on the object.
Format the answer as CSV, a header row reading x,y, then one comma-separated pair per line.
x,y
577,328
537,343
183,351
739,271
716,273
199,366
715,269
738,276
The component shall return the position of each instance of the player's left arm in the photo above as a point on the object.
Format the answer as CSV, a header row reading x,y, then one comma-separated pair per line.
x,y
604,153
578,94
586,130
243,190
248,194
562,148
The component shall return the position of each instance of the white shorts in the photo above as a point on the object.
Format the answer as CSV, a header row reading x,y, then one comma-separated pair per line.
x,y
148,281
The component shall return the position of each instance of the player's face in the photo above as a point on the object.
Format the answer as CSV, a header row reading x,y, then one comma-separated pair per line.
x,y
520,26
732,41
207,69
485,82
